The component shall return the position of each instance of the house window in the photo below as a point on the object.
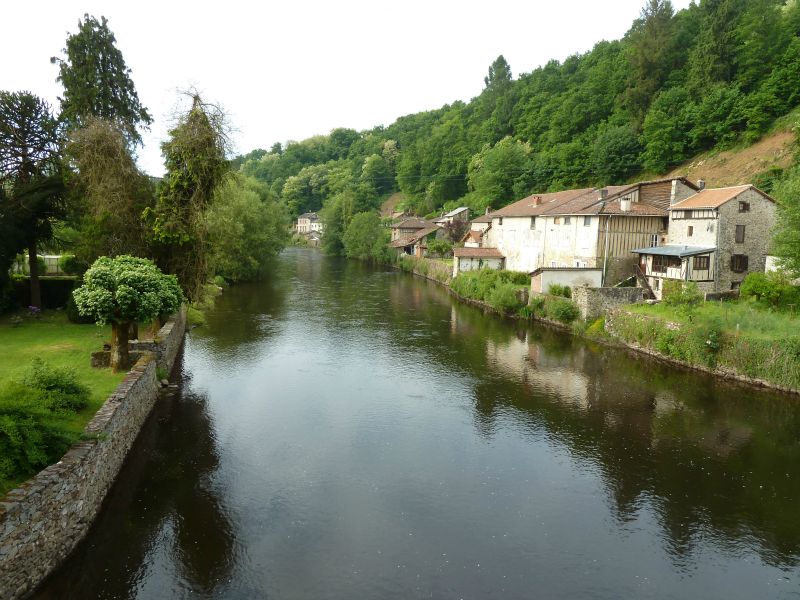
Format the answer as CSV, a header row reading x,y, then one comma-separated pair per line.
x,y
533,222
744,207
678,214
739,263
689,231
556,220
659,264
656,283
553,264
587,221
500,221
701,263
653,240
566,220
740,234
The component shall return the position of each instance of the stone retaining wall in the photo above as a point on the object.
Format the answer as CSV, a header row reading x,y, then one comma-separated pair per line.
x,y
43,520
595,302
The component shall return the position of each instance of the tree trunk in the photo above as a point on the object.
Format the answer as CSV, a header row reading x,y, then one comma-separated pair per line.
x,y
33,268
119,346
133,331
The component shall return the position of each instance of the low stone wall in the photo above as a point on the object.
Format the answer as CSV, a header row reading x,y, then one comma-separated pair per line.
x,y
595,302
43,520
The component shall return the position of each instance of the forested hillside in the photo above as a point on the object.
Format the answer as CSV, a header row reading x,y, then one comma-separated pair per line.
x,y
714,75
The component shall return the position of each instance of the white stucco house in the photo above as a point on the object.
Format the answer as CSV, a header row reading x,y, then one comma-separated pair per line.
x,y
308,222
473,259
586,228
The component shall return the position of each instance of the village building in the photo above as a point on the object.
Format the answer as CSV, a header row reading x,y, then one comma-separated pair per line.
x,y
460,214
308,222
415,243
543,277
473,259
716,237
473,238
588,228
408,226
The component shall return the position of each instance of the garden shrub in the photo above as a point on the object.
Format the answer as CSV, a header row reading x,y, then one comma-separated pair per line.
x,y
536,304
556,289
562,310
772,289
59,389
677,293
70,265
504,297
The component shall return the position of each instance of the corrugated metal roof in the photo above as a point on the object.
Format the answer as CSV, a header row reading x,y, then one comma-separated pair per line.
x,y
679,251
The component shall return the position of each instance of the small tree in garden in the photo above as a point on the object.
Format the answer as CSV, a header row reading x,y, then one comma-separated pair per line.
x,y
125,290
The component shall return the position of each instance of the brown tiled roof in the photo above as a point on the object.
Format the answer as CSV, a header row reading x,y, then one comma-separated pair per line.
x,y
538,204
414,238
478,253
716,197
483,219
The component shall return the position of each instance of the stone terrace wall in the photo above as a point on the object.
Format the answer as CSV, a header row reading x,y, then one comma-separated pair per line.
x,y
165,345
43,520
594,302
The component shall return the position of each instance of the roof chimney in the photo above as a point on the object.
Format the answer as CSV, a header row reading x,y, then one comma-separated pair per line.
x,y
625,204
701,184
488,210
537,200
603,193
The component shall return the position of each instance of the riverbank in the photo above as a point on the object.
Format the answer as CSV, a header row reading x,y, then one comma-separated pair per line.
x,y
44,519
757,350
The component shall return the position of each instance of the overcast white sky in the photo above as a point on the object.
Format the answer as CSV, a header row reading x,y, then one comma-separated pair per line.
x,y
289,70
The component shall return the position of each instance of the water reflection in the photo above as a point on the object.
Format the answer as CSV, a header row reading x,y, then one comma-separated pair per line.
x,y
351,432
176,509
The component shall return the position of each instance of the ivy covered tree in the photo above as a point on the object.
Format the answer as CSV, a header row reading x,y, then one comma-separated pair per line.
x,y
112,191
196,165
125,290
30,174
97,81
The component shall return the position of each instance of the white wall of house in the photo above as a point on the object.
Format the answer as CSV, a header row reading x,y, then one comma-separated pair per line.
x,y
462,264
541,282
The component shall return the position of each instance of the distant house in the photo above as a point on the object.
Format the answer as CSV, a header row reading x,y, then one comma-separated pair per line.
x,y
415,243
314,239
716,237
473,238
308,222
586,228
405,227
459,214
472,259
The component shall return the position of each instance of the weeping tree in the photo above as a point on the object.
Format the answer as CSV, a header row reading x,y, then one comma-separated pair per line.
x,y
125,290
196,165
30,174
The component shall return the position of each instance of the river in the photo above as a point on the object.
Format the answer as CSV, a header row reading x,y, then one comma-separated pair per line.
x,y
349,432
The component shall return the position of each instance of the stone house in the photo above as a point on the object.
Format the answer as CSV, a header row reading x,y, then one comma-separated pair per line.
x,y
586,228
473,259
308,222
716,237
408,226
415,243
459,214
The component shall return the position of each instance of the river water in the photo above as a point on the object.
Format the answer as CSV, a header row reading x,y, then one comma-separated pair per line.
x,y
348,432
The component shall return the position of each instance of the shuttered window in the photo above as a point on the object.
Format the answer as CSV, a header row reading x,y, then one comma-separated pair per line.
x,y
740,234
739,263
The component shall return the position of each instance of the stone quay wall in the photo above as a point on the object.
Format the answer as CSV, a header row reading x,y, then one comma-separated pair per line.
x,y
595,302
44,519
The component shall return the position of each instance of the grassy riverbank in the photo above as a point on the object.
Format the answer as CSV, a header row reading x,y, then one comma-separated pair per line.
x,y
63,346
741,338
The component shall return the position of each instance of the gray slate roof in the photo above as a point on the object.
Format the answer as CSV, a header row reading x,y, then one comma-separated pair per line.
x,y
679,251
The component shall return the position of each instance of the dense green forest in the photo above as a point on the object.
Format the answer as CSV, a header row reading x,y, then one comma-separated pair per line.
x,y
714,75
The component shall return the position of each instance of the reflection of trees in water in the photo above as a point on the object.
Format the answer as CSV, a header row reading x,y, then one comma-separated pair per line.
x,y
715,461
165,501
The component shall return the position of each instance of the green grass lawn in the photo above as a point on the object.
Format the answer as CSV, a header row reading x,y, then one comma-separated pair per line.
x,y
743,317
59,343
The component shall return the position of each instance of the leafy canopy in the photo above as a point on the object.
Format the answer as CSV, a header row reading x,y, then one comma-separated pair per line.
x,y
126,289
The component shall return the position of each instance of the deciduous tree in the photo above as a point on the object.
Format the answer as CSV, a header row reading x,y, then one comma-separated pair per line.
x,y
122,291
